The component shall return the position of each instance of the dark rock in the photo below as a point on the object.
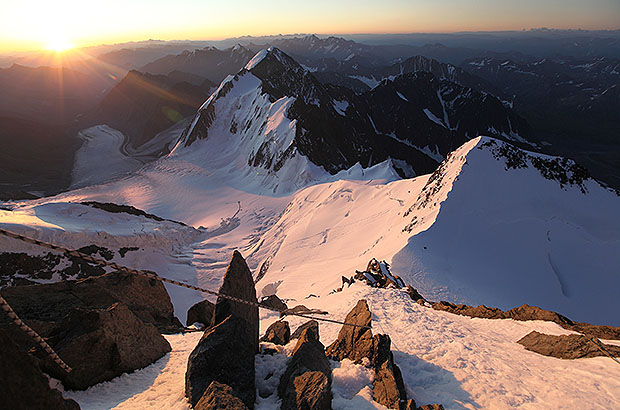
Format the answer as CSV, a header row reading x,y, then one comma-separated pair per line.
x,y
527,312
22,384
306,383
566,346
100,344
201,312
224,354
414,294
278,333
357,343
274,302
464,310
219,396
410,405
238,282
42,306
354,342
388,387
311,323
431,407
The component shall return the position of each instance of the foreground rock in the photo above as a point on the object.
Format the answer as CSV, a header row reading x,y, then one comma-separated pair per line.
x,y
353,342
225,353
238,282
101,344
311,323
278,333
566,346
43,306
201,312
306,383
219,396
22,384
527,312
274,302
357,342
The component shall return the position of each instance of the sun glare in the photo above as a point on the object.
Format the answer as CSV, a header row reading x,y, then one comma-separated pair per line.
x,y
58,44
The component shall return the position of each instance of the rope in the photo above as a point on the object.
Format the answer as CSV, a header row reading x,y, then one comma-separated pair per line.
x,y
34,335
151,275
601,348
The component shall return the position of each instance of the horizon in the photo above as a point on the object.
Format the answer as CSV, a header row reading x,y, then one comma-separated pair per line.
x,y
70,24
75,47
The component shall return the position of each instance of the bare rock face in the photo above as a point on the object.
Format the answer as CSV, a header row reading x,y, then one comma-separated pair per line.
x,y
306,383
311,323
219,396
414,294
388,387
278,333
22,384
201,312
238,282
42,306
224,354
274,302
354,342
566,346
431,407
100,344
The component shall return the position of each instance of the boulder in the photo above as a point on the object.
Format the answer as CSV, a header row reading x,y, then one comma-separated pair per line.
x,y
414,294
306,382
201,312
566,346
22,384
311,323
101,344
42,306
238,282
388,387
431,407
219,396
278,333
274,302
225,354
354,342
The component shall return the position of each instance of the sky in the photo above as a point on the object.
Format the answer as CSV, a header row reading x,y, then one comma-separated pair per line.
x,y
38,24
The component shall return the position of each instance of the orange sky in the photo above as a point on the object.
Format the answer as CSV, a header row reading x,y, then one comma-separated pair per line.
x,y
36,24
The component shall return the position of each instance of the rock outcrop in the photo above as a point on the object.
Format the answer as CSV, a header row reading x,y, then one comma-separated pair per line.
x,y
566,346
278,333
225,353
357,343
219,396
311,323
238,282
201,312
22,384
353,342
42,306
306,383
275,302
100,344
527,312
377,274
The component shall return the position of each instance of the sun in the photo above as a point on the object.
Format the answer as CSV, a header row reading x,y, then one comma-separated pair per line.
x,y
58,44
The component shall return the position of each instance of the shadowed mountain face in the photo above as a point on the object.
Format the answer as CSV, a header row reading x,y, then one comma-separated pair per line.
x,y
142,105
572,104
415,119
